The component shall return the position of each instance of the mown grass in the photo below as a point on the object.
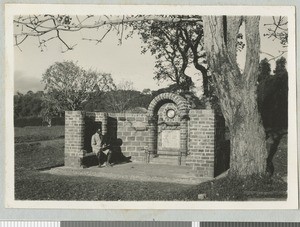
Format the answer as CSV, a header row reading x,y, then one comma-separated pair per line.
x,y
38,133
233,188
33,184
37,186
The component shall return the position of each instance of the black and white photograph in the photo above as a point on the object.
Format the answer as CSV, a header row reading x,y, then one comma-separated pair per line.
x,y
150,107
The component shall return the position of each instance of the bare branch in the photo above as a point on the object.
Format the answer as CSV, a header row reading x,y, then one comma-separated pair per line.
x,y
101,39
278,29
39,25
78,27
122,31
272,56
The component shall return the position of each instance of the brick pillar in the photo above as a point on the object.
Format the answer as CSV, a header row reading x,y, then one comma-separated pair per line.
x,y
184,136
153,135
74,137
202,142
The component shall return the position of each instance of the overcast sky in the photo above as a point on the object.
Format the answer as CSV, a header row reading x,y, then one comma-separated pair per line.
x,y
124,62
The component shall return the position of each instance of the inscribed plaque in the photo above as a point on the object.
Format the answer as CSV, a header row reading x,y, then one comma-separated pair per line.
x,y
170,138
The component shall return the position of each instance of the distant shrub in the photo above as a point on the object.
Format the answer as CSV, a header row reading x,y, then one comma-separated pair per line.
x,y
58,121
28,121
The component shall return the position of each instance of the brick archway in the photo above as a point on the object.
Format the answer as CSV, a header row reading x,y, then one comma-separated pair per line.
x,y
163,98
183,111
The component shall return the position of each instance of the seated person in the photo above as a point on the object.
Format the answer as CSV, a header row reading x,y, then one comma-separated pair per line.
x,y
101,148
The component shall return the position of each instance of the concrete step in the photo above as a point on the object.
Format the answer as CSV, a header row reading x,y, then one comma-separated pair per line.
x,y
168,152
168,160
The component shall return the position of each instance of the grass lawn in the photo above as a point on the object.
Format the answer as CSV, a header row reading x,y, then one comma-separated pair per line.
x,y
38,133
33,184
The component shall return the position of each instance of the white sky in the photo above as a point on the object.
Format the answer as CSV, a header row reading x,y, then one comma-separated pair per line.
x,y
124,62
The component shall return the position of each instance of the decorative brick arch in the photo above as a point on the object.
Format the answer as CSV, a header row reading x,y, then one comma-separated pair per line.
x,y
183,109
163,98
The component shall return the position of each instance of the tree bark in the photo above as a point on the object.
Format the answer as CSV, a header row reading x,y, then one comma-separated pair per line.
x,y
237,91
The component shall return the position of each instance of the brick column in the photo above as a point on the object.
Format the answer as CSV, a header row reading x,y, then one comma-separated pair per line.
x,y
74,137
184,136
153,135
202,142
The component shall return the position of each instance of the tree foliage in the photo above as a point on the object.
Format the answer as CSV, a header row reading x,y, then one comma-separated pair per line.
x,y
29,104
273,94
175,46
69,86
125,98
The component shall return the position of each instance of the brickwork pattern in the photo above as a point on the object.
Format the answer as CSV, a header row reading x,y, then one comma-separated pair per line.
x,y
139,133
133,130
180,102
182,106
201,142
74,137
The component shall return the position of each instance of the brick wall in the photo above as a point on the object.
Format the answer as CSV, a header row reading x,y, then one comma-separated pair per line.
x,y
201,142
129,128
133,130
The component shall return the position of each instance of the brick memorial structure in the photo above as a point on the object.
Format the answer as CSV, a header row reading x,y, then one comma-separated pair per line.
x,y
169,133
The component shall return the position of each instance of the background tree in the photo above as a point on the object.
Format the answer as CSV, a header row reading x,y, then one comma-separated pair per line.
x,y
70,86
118,99
50,108
29,104
273,95
125,98
176,47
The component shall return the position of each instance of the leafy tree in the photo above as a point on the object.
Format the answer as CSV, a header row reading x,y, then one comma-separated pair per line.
x,y
50,108
70,86
17,104
147,91
264,69
280,69
29,104
173,45
122,98
236,90
273,94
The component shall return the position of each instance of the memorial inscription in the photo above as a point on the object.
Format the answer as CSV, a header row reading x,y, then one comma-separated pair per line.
x,y
171,139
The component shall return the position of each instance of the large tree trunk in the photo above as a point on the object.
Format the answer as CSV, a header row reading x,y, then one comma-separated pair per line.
x,y
237,91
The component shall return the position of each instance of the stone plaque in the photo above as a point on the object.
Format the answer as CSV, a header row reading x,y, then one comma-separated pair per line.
x,y
170,139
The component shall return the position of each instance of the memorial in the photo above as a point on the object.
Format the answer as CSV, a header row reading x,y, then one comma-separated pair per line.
x,y
169,133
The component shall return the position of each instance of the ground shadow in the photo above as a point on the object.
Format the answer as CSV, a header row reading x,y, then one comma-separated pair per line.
x,y
117,155
115,143
50,167
222,146
273,138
